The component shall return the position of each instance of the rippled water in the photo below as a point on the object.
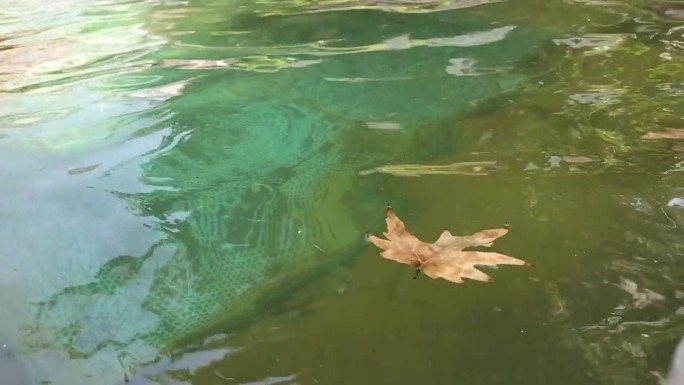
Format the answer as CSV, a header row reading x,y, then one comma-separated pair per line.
x,y
186,184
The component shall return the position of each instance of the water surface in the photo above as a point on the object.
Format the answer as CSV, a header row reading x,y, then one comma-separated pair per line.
x,y
186,186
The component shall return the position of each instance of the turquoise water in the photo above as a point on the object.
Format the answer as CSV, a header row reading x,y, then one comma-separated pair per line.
x,y
186,187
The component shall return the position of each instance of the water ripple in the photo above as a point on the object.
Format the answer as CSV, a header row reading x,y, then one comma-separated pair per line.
x,y
294,7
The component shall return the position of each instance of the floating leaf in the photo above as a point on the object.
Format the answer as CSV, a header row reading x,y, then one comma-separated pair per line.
x,y
445,257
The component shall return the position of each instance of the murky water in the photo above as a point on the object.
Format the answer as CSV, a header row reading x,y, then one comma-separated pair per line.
x,y
186,186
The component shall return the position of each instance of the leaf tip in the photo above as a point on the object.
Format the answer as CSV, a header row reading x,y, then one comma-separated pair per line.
x,y
389,210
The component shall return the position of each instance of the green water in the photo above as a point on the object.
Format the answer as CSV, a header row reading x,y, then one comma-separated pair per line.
x,y
185,190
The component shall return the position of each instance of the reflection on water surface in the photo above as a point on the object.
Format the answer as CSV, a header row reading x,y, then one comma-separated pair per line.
x,y
186,186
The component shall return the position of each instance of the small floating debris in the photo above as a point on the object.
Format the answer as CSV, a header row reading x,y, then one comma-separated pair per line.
x,y
161,93
577,159
383,125
460,168
670,133
555,161
466,67
471,39
81,170
363,80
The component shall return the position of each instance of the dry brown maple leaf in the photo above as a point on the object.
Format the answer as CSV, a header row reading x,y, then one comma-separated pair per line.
x,y
445,257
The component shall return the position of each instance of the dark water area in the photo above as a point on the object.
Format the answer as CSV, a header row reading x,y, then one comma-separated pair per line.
x,y
185,189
